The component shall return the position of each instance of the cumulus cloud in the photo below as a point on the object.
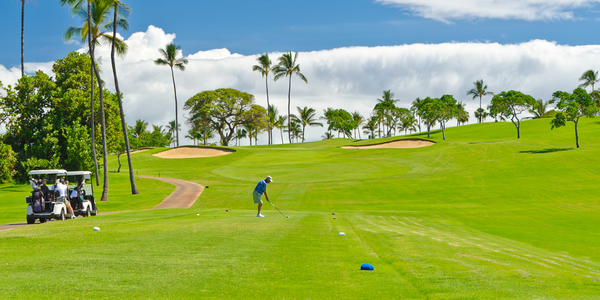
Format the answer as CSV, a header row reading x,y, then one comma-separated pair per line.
x,y
530,10
351,78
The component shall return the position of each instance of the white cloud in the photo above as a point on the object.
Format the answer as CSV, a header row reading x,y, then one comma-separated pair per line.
x,y
350,78
530,10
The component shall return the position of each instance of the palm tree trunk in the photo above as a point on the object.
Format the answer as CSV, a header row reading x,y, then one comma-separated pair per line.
x,y
289,103
268,116
134,190
176,119
22,38
92,68
281,130
303,126
481,116
103,129
576,133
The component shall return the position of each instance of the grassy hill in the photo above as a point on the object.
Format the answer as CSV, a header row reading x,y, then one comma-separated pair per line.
x,y
480,215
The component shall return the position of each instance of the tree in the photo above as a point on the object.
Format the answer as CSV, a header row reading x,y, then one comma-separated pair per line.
x,y
340,121
408,123
540,110
572,107
169,58
439,109
23,2
286,68
240,134
426,112
7,162
589,77
307,118
171,129
222,109
97,18
120,12
327,135
280,124
384,108
479,91
264,67
480,114
462,115
358,121
370,127
510,104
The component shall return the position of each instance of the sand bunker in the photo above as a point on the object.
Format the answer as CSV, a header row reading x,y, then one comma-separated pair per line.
x,y
193,152
408,143
140,150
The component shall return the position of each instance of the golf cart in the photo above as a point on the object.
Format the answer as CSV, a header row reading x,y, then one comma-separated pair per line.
x,y
83,204
42,205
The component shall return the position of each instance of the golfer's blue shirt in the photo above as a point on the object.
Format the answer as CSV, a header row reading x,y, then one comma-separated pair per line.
x,y
261,187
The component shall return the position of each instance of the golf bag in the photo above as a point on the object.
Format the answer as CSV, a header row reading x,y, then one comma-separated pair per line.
x,y
38,204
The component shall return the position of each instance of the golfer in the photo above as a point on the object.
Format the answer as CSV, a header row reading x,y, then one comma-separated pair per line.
x,y
261,188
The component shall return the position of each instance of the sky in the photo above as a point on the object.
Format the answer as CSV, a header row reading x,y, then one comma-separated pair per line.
x,y
350,51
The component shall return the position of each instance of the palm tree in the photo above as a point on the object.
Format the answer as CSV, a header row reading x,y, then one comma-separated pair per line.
x,y
307,118
539,109
250,128
140,128
280,124
272,113
169,58
589,77
76,7
479,91
264,67
287,67
171,128
462,116
23,2
296,131
480,114
408,123
120,12
240,134
328,135
98,18
385,106
358,121
371,126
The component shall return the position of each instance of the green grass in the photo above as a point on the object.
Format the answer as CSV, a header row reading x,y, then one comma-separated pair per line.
x,y
481,215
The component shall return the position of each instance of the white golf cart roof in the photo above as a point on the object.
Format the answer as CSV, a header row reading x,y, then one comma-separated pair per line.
x,y
77,173
57,172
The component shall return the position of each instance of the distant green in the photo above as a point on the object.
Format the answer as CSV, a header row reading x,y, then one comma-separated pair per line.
x,y
481,215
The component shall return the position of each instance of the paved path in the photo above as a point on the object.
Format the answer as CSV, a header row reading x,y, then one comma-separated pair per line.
x,y
184,196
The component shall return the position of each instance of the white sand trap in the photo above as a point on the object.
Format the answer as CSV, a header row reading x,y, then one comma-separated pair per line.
x,y
408,143
193,152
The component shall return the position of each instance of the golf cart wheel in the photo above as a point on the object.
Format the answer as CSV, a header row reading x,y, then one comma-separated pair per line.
x,y
95,212
87,212
30,220
62,215
42,220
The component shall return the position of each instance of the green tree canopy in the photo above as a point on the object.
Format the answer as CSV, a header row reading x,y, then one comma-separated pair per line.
x,y
572,107
223,110
510,105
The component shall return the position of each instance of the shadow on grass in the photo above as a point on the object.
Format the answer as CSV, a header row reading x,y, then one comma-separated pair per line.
x,y
549,150
11,188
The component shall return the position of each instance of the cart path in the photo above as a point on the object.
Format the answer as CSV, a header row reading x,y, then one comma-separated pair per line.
x,y
185,195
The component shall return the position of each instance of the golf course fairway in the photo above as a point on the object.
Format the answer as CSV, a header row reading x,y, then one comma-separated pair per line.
x,y
481,215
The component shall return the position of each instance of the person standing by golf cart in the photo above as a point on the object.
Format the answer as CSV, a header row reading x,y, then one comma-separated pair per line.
x,y
261,188
62,195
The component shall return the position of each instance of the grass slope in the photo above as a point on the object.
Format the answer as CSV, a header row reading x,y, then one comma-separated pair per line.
x,y
480,215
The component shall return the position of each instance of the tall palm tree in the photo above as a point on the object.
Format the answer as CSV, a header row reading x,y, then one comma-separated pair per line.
x,y
371,126
140,128
589,77
385,106
479,91
307,118
264,67
171,128
280,124
250,128
169,58
358,121
76,7
98,18
23,2
120,12
287,67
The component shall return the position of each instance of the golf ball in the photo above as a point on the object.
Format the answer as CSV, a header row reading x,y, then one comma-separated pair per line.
x,y
197,214
96,228
342,234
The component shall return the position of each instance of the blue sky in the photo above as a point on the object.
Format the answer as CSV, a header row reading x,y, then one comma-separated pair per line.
x,y
251,27
350,51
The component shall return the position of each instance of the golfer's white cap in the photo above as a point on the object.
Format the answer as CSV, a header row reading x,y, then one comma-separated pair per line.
x,y
269,178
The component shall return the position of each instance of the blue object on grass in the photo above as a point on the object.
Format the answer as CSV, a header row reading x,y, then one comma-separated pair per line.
x,y
367,267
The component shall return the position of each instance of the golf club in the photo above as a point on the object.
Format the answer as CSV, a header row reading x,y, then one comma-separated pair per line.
x,y
278,210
